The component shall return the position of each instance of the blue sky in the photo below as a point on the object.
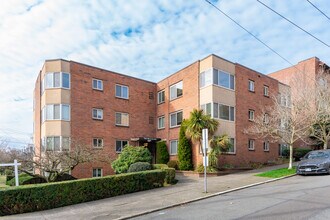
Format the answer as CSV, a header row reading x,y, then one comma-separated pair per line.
x,y
149,39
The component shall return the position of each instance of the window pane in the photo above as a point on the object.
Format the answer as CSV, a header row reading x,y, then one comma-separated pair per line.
x,y
174,146
118,146
208,77
179,118
57,80
57,143
49,80
118,118
65,143
173,120
215,77
208,108
232,114
100,84
125,92
94,83
66,80
65,112
124,119
202,79
224,112
57,112
215,110
49,143
232,148
94,113
232,82
224,79
94,172
118,90
179,89
49,112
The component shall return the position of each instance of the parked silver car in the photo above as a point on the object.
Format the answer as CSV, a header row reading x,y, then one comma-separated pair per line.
x,y
315,162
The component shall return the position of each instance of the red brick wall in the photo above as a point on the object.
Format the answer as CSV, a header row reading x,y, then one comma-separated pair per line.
x,y
84,98
246,100
189,101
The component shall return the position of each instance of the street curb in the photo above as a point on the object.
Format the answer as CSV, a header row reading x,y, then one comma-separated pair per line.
x,y
205,197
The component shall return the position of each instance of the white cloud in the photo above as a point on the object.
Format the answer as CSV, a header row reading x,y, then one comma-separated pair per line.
x,y
149,39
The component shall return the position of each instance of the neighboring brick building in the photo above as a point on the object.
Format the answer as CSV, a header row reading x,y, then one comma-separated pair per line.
x,y
107,110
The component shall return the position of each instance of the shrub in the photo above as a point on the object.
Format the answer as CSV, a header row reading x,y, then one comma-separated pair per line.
x,y
9,177
209,169
162,155
169,175
184,150
159,166
129,156
25,179
173,164
52,195
139,166
64,177
9,172
297,153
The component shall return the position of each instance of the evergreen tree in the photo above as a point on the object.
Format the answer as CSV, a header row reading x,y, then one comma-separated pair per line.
x,y
162,156
184,150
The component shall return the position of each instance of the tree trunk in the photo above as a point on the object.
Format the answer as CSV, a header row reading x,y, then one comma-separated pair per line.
x,y
291,156
325,144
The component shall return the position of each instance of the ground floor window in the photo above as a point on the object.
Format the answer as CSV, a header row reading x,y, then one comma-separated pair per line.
x,y
120,144
97,172
174,147
266,146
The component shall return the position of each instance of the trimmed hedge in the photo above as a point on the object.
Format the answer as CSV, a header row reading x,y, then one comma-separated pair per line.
x,y
159,166
32,198
173,164
139,166
170,173
297,153
162,155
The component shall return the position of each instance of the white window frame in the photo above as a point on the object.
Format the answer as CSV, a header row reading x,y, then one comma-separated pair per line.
x,y
161,97
52,106
251,85
98,110
174,95
121,91
266,146
266,91
121,121
97,169
251,114
44,142
251,144
205,106
177,143
122,146
266,118
170,119
97,84
158,122
234,147
97,146
44,83
231,77
230,115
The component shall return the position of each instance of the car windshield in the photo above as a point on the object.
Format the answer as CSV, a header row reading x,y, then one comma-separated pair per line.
x,y
314,155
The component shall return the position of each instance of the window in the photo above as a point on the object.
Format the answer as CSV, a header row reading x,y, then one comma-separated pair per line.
x,y
285,100
226,112
122,91
122,119
283,124
97,142
161,122
161,97
231,150
97,84
56,112
97,172
57,143
251,86
266,91
176,119
97,113
251,115
266,146
251,144
223,79
56,80
206,78
266,118
176,90
206,108
174,147
120,144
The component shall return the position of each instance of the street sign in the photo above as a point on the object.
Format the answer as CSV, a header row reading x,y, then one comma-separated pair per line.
x,y
15,164
205,158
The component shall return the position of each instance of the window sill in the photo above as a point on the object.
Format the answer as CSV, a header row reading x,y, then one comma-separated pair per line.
x,y
177,126
123,126
267,96
99,90
266,151
251,149
252,91
97,119
160,103
161,128
123,98
229,153
251,120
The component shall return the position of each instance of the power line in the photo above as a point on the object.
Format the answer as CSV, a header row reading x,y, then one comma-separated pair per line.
x,y
318,9
293,23
286,60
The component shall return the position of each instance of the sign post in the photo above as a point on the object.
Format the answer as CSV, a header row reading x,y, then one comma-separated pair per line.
x,y
205,158
15,164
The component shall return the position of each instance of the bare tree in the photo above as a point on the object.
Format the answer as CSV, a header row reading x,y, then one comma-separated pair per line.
x,y
286,121
51,164
320,129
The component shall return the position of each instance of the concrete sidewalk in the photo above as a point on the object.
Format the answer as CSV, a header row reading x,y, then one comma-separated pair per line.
x,y
125,206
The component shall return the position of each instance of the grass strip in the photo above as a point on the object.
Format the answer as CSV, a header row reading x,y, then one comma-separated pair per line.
x,y
278,173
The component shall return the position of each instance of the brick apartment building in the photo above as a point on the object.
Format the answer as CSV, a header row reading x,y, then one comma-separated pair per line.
x,y
108,110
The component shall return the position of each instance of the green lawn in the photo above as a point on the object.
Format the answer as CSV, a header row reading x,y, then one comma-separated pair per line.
x,y
278,173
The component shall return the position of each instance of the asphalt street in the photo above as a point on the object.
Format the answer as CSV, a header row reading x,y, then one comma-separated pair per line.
x,y
298,197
